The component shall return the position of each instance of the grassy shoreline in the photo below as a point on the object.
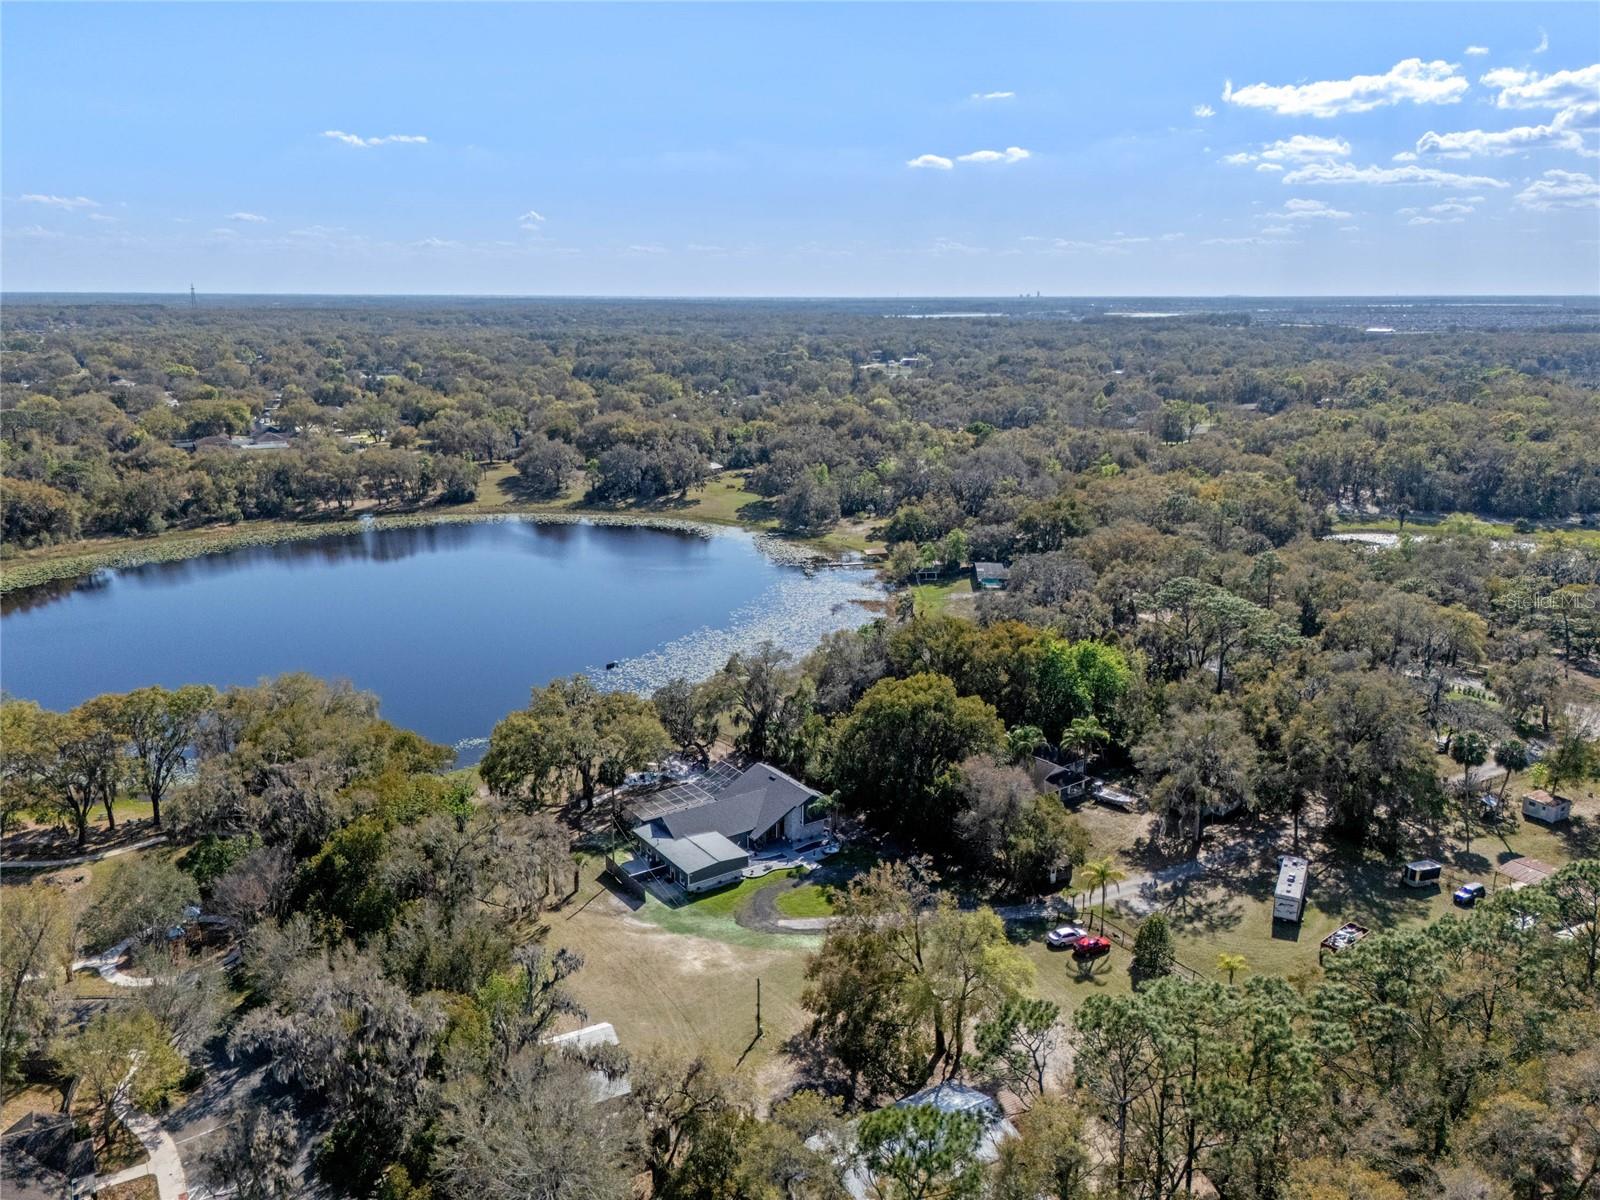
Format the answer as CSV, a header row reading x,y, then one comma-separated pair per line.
x,y
53,564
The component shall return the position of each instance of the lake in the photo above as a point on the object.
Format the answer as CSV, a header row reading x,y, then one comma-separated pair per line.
x,y
449,624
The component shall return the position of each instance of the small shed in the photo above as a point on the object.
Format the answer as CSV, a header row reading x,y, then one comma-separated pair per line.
x,y
1424,872
1289,898
1540,805
1524,870
588,1045
991,576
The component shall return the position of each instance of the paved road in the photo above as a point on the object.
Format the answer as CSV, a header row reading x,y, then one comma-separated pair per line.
x,y
52,864
165,1162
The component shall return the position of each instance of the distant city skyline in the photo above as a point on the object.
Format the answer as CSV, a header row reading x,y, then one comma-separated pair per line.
x,y
802,150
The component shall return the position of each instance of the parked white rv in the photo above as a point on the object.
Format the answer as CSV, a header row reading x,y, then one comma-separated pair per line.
x,y
1289,900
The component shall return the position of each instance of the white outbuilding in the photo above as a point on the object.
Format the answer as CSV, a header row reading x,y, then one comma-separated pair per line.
x,y
1540,805
1289,898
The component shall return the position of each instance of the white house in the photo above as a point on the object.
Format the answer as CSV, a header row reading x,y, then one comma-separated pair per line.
x,y
1540,805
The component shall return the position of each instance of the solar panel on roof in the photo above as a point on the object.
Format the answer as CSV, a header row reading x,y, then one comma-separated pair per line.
x,y
691,793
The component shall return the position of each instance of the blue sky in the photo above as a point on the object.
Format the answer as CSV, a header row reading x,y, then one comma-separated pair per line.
x,y
1136,149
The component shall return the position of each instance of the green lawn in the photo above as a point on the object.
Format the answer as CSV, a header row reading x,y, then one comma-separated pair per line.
x,y
807,900
934,599
710,916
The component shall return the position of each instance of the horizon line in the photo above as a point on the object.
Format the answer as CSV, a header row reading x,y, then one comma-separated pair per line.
x,y
185,294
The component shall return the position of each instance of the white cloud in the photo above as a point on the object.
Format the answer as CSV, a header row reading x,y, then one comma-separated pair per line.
x,y
647,248
1011,154
1559,134
1578,88
531,216
1305,147
254,218
937,162
994,95
1301,148
1451,206
1412,80
1307,210
1117,243
1544,41
1329,173
951,246
1269,166
1476,51
1204,110
1421,220
1561,189
67,202
1247,241
355,139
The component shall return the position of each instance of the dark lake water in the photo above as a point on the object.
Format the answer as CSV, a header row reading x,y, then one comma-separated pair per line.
x,y
450,625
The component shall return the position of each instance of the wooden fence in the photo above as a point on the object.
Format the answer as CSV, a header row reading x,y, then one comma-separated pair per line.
x,y
1121,937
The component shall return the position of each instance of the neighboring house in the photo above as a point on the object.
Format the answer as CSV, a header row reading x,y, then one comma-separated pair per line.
x,y
991,576
703,831
263,441
948,1097
581,1043
217,441
40,1157
1065,781
1542,806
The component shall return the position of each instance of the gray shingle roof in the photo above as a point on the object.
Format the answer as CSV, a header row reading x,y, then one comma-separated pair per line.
x,y
748,807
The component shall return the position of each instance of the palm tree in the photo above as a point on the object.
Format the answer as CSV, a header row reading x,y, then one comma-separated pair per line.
x,y
1231,963
1102,873
1022,741
1081,737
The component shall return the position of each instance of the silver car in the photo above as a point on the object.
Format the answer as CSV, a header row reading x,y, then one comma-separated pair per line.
x,y
1063,937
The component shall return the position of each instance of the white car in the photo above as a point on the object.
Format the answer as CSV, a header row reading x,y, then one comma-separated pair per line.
x,y
1063,937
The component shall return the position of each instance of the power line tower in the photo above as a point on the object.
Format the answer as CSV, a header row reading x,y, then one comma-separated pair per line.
x,y
194,303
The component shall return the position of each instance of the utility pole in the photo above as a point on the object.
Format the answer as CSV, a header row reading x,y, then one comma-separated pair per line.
x,y
758,1006
194,303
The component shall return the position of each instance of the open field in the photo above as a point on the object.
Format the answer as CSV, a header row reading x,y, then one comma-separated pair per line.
x,y
687,984
1421,523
